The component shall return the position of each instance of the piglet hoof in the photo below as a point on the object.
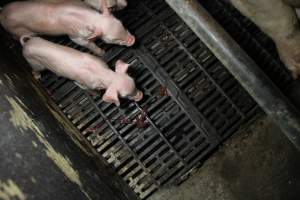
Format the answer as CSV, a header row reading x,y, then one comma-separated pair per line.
x,y
37,75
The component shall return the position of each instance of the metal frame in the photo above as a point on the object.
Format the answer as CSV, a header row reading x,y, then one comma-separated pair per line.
x,y
243,68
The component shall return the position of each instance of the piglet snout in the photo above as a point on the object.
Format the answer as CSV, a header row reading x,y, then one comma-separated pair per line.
x,y
130,40
138,97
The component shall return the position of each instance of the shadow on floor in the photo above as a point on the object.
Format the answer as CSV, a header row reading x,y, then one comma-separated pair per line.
x,y
255,164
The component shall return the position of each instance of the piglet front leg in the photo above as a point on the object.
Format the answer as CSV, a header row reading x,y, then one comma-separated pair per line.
x,y
89,44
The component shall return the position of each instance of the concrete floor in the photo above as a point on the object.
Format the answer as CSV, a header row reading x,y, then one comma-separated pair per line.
x,y
255,164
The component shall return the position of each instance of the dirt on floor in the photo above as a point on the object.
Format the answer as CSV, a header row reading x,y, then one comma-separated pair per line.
x,y
258,163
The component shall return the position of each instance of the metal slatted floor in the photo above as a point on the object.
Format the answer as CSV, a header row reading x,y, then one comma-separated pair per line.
x,y
191,102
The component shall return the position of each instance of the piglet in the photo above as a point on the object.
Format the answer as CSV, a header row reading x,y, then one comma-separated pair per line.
x,y
86,70
81,23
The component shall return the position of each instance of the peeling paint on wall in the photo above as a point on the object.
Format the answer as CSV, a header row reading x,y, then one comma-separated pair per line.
x,y
64,164
34,144
20,119
10,191
65,128
64,125
33,180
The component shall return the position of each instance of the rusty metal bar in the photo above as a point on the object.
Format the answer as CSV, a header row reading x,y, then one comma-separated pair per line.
x,y
243,68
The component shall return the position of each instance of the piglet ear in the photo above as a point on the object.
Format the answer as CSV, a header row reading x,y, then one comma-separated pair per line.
x,y
121,66
111,96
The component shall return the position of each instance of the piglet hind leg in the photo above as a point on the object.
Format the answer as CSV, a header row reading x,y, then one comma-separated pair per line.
x,y
36,70
279,21
89,45
35,65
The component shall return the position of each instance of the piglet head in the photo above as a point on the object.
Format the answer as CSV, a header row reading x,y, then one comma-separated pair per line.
x,y
115,33
123,86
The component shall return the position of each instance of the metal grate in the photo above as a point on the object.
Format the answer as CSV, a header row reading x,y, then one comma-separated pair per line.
x,y
258,46
191,102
